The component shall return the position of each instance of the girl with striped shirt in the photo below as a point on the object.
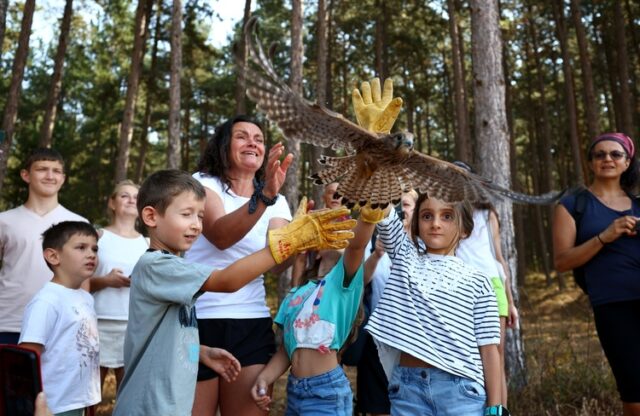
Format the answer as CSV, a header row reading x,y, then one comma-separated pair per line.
x,y
437,322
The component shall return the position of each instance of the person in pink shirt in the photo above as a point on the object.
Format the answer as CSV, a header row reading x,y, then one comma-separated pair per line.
x,y
24,271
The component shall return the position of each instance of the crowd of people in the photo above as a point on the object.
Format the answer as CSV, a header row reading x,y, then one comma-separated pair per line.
x,y
171,296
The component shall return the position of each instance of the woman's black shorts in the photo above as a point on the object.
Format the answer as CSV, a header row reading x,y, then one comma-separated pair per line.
x,y
251,341
618,326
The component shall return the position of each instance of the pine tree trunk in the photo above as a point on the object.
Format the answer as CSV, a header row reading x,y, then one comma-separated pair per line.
x,y
592,116
569,92
241,64
330,45
623,71
321,90
540,123
4,4
463,140
446,100
491,131
46,130
151,95
126,127
15,87
290,187
382,69
173,142
186,134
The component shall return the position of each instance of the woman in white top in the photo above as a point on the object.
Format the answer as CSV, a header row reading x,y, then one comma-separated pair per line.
x,y
119,248
242,182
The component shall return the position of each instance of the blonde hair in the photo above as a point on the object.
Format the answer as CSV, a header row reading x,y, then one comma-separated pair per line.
x,y
413,194
112,196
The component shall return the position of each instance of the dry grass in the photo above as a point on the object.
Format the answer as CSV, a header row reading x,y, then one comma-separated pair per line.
x,y
567,371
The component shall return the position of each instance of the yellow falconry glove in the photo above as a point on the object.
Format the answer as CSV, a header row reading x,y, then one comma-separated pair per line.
x,y
316,230
376,112
373,216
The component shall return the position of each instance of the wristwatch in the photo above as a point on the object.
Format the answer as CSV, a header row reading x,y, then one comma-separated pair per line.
x,y
497,410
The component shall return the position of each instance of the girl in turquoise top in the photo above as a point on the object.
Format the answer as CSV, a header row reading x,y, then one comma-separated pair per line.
x,y
316,319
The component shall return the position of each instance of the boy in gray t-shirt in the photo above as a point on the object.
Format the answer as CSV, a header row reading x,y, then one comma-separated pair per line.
x,y
162,350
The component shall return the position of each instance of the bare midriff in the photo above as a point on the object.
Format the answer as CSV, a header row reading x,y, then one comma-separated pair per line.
x,y
307,362
408,360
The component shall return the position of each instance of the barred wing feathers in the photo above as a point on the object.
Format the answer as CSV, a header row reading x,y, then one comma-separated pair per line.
x,y
446,181
295,116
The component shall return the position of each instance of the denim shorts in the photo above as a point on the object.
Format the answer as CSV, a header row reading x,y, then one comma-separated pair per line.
x,y
431,391
325,394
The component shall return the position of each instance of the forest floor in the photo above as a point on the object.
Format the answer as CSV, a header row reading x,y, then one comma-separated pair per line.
x,y
567,374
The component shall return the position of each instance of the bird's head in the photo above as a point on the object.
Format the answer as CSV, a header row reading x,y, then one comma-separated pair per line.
x,y
401,141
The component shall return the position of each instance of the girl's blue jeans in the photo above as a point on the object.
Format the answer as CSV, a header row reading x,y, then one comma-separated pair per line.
x,y
431,391
324,394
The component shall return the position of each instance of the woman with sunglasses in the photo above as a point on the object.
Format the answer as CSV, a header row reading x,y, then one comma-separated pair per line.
x,y
605,243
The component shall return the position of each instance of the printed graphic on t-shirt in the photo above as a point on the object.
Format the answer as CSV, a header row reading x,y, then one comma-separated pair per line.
x,y
431,283
188,350
309,330
87,343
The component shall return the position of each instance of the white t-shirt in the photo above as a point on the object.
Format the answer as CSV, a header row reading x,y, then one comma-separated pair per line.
x,y
250,301
24,270
64,322
115,251
379,279
475,250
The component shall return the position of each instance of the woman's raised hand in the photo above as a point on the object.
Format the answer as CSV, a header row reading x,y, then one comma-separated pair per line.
x,y
276,170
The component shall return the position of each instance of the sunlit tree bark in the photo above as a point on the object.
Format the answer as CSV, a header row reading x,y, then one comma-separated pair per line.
x,y
15,87
46,130
173,142
492,135
126,127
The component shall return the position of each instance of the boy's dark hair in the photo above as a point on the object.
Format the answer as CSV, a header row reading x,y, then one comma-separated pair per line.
x,y
58,234
215,158
43,153
161,187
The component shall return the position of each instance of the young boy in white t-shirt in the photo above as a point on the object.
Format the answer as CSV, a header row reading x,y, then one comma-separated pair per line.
x,y
60,322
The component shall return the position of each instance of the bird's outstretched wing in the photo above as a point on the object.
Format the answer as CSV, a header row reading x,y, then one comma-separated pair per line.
x,y
296,117
446,181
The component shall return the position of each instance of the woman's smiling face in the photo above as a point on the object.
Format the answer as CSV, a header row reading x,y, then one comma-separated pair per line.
x,y
247,147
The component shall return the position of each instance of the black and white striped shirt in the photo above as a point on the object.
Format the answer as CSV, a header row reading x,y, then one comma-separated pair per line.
x,y
435,308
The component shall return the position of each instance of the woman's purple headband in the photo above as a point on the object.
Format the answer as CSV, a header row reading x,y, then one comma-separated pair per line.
x,y
624,140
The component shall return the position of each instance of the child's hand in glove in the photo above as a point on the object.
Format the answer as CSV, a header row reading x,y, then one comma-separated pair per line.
x,y
317,230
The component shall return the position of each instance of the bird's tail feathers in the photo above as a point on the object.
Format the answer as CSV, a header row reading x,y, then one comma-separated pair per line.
x,y
543,199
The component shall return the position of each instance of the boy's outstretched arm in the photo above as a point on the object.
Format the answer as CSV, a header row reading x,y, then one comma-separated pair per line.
x,y
277,365
317,230
221,361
